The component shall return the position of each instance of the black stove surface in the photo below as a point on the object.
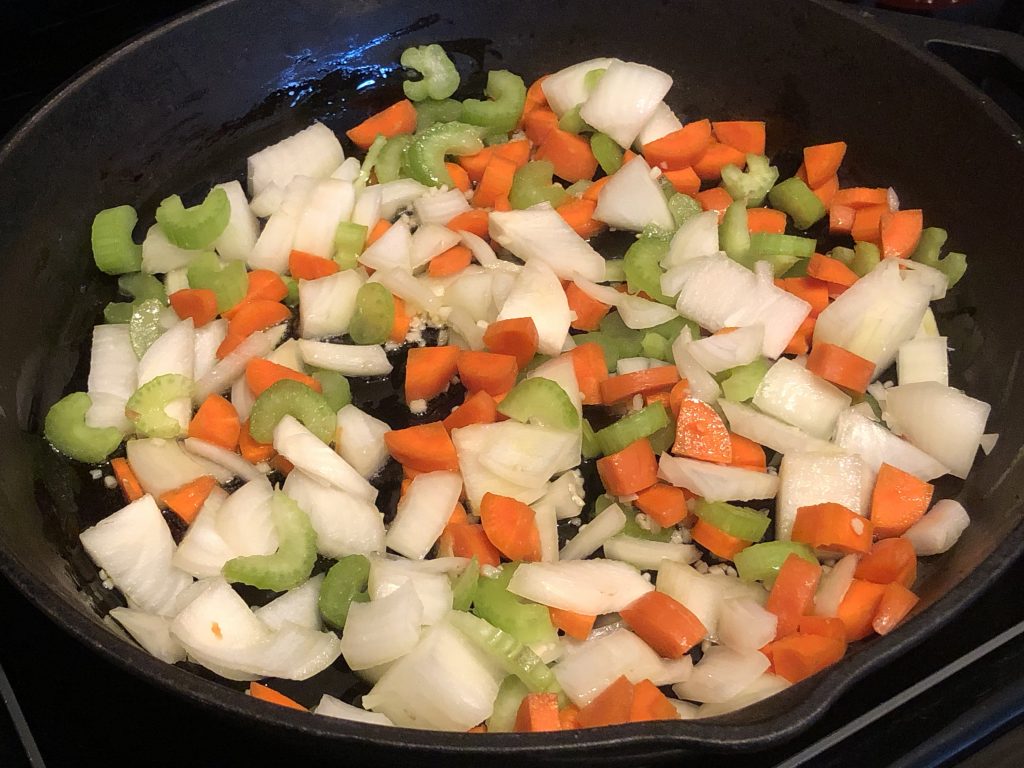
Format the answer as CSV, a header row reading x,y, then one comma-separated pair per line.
x,y
958,699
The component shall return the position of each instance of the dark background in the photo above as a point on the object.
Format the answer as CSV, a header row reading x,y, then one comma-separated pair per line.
x,y
83,711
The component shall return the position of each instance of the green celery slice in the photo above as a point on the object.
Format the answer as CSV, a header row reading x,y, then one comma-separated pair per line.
x,y
739,384
591,448
794,197
370,161
642,265
761,562
533,184
141,287
866,257
425,155
335,388
118,312
146,406
430,111
781,251
144,325
344,583
683,208
374,315
541,401
228,280
292,299
662,440
196,227
507,651
750,186
440,77
464,588
607,151
742,522
632,527
506,96
349,240
571,122
733,234
529,623
953,266
113,249
510,696
293,561
389,162
629,429
843,254
287,397
592,78
657,347
66,430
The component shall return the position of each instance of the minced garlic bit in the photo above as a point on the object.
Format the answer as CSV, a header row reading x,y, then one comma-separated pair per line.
x,y
95,474
110,482
644,521
418,407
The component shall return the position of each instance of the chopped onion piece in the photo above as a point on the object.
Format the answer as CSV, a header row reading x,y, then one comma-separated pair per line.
x,y
923,359
639,313
231,367
939,529
584,586
428,241
601,660
632,199
239,236
415,291
437,207
723,351
624,100
297,606
539,233
274,245
160,255
590,537
833,586
745,625
795,395
648,555
721,674
857,434
367,208
423,512
769,431
764,686
567,87
344,524
330,202
346,359
988,442
715,482
698,236
230,460
382,630
470,443
398,194
152,632
432,585
314,151
305,450
660,124
815,478
360,440
702,385
208,340
537,294
529,455
393,250
161,465
704,593
332,707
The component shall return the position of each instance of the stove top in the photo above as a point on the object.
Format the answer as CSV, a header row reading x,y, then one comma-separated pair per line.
x,y
957,699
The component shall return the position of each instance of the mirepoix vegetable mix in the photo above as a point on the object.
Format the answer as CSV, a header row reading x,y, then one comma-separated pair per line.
x,y
722,436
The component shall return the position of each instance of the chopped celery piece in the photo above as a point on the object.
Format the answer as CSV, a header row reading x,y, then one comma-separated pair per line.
x,y
374,315
591,448
510,696
761,562
670,329
198,226
493,139
370,161
795,198
578,188
571,121
113,249
389,161
293,561
228,281
662,440
627,338
656,347
431,111
292,299
642,265
631,428
751,185
876,409
464,588
866,257
141,287
344,584
510,653
953,266
606,150
781,251
797,268
67,431
335,389
653,230
506,95
602,502
529,623
118,312
144,326
541,401
843,254
682,207
592,78
533,184
425,155
733,234
146,406
742,522
287,397
637,531
614,270
440,78
349,240
739,384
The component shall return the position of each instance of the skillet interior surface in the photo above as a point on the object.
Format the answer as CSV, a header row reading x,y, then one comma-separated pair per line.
x,y
181,108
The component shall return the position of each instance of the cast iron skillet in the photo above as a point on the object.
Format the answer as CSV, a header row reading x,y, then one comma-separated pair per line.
x,y
180,108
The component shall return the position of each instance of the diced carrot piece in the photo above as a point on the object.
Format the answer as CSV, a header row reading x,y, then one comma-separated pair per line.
x,y
897,601
515,336
198,303
801,341
901,232
216,422
281,464
701,433
747,454
630,470
425,447
833,528
489,371
308,266
496,182
254,316
840,366
591,370
429,371
451,262
458,515
575,625
130,485
792,594
579,214
262,692
479,408
570,154
867,223
539,123
797,656
610,707
710,164
890,560
826,626
377,231
594,190
187,500
616,388
899,500
680,391
840,218
264,285
400,328
716,541
822,161
569,717
810,289
680,148
535,98
830,270
470,540
261,374
649,703
474,220
748,136
766,220
665,624
589,311
827,191
538,712
459,176
663,503
396,119
716,199
858,608
251,450
861,197
511,526
684,180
